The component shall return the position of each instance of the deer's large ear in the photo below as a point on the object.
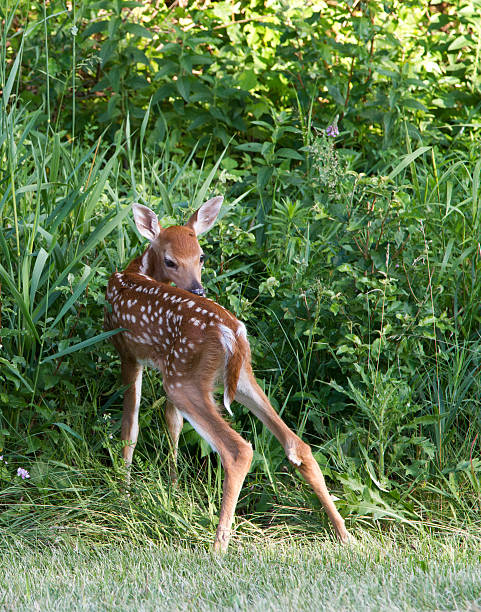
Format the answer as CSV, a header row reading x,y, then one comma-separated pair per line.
x,y
204,218
146,221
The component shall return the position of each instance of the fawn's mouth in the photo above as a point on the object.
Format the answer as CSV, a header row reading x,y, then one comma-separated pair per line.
x,y
198,291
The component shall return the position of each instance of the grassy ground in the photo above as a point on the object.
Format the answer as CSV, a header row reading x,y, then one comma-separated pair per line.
x,y
374,574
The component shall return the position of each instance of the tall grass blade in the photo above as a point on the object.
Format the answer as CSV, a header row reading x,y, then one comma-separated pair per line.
x,y
475,192
11,77
406,160
97,236
79,289
201,194
19,301
81,345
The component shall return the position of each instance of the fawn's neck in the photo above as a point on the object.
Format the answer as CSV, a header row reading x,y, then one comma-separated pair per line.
x,y
147,264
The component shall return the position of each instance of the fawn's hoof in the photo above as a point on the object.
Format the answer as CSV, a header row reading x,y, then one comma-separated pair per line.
x,y
343,534
221,542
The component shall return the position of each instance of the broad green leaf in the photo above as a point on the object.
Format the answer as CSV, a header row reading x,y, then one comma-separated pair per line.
x,y
255,147
16,373
183,86
290,154
459,43
263,176
95,28
137,30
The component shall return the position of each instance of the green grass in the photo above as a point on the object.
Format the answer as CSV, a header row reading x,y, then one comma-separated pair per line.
x,y
374,574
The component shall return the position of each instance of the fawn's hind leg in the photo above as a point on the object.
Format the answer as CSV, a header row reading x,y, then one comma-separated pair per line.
x,y
174,421
132,379
298,452
200,410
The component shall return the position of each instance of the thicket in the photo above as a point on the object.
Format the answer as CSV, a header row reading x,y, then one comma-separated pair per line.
x,y
345,137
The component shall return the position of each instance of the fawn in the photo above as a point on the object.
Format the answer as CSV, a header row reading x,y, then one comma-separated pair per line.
x,y
194,343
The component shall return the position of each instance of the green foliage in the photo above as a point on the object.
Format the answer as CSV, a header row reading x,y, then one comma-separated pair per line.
x,y
360,62
353,259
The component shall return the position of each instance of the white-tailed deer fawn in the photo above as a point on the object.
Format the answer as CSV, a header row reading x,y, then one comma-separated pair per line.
x,y
194,343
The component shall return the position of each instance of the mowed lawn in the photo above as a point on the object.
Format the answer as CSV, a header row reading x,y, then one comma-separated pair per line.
x,y
433,573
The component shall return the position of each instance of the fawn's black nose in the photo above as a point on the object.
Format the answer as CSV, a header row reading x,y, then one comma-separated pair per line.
x,y
197,289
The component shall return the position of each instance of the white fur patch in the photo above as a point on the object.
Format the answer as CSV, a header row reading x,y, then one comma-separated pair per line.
x,y
228,341
138,390
202,433
149,363
227,403
293,458
144,262
227,338
241,330
248,395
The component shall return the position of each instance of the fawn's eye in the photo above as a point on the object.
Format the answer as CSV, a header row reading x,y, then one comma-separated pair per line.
x,y
169,263
202,258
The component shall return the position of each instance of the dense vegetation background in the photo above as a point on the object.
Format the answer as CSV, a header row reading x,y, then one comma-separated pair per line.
x,y
345,138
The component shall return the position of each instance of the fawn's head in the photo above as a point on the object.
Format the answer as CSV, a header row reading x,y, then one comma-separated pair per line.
x,y
175,254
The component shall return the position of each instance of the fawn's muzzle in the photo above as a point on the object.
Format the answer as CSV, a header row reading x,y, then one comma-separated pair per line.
x,y
197,289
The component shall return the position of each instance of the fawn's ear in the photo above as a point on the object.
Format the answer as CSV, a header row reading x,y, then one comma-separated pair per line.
x,y
204,218
146,221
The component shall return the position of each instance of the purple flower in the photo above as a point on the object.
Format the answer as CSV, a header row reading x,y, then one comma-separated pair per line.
x,y
332,130
23,473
